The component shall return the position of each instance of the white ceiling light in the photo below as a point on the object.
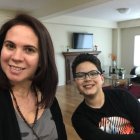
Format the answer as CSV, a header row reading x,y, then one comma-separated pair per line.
x,y
123,10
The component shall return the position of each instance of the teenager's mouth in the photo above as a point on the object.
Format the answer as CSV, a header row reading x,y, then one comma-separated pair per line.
x,y
88,86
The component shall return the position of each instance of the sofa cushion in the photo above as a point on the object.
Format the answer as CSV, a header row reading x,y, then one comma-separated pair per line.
x,y
135,71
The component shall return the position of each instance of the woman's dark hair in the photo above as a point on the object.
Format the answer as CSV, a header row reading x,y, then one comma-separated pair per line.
x,y
86,57
46,77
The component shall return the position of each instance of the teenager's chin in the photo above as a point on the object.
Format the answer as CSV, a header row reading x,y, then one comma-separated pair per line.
x,y
87,93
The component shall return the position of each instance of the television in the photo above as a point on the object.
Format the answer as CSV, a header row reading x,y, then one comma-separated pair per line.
x,y
82,41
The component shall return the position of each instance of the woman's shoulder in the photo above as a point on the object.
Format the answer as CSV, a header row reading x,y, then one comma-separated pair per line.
x,y
4,94
5,102
55,107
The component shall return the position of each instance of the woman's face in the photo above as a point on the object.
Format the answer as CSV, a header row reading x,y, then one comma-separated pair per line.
x,y
20,54
92,83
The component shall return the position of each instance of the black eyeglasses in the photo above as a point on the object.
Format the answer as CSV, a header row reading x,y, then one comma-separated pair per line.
x,y
82,75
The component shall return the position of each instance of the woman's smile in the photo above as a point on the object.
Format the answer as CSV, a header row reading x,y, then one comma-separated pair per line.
x,y
16,69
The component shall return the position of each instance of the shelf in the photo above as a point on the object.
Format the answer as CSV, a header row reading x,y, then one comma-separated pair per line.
x,y
77,53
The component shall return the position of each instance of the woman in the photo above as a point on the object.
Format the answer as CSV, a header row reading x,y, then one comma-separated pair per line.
x,y
28,73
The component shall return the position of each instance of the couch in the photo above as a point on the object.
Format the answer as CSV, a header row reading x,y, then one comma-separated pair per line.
x,y
135,71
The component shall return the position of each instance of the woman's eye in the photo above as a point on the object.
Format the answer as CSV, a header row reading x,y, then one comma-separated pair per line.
x,y
30,50
9,46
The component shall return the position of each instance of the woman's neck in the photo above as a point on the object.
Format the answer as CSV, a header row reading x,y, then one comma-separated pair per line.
x,y
22,90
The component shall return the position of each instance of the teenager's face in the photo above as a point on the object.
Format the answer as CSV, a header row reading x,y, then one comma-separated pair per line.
x,y
20,54
90,85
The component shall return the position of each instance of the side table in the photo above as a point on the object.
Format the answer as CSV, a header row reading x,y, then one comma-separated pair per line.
x,y
116,79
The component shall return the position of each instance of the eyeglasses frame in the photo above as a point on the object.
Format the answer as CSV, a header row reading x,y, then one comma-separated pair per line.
x,y
87,74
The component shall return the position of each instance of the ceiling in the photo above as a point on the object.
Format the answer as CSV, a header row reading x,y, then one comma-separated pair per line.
x,y
95,9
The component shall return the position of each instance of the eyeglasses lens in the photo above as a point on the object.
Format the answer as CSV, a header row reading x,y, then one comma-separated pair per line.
x,y
82,75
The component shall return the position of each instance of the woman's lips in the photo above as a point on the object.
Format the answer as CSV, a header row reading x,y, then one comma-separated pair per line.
x,y
15,69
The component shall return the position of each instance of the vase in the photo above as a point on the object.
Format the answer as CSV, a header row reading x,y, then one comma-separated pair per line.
x,y
114,64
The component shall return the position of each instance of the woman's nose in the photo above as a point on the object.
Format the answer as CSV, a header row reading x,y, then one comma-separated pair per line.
x,y
17,55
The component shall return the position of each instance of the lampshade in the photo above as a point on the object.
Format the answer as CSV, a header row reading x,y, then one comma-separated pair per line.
x,y
123,10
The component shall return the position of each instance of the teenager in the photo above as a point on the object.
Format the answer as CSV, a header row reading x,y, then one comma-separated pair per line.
x,y
111,114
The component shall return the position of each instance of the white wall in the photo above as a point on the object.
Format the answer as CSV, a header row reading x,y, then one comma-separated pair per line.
x,y
128,30
61,35
127,49
107,36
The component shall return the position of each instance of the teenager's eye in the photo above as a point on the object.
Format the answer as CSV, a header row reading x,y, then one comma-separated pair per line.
x,y
94,73
80,75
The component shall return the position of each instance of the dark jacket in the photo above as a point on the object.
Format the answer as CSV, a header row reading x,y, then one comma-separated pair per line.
x,y
9,128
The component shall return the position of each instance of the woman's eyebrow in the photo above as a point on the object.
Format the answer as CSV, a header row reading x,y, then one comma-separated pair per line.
x,y
8,41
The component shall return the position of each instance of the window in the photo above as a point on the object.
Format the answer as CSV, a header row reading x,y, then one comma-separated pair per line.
x,y
137,50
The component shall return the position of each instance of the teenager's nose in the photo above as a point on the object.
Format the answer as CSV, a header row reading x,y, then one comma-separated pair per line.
x,y
87,76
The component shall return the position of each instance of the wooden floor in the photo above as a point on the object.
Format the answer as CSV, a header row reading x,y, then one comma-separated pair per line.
x,y
68,98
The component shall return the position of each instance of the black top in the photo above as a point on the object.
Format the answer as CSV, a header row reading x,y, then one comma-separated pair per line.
x,y
117,119
9,128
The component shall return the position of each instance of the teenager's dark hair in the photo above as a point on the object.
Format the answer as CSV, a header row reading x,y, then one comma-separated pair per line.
x,y
46,77
86,57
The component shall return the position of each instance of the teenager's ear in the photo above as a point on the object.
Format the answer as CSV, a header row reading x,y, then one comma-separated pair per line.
x,y
102,77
